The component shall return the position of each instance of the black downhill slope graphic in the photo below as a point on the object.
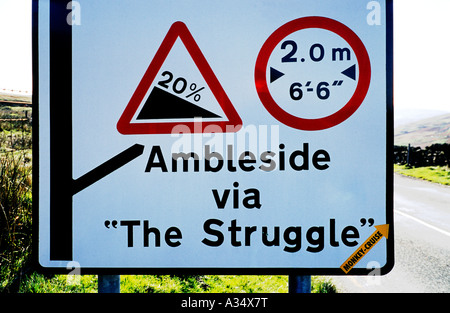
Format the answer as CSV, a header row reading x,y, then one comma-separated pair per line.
x,y
162,104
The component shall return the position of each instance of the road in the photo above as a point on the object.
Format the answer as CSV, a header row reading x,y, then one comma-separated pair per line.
x,y
422,243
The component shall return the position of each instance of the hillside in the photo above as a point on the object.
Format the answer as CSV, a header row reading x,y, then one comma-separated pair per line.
x,y
424,132
15,99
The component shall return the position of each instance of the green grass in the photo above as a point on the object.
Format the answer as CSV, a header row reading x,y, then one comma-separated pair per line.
x,y
202,284
15,215
435,174
15,128
37,283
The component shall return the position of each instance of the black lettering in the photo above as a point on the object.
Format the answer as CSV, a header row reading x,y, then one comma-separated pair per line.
x,y
234,229
156,151
243,161
169,236
321,52
221,202
130,225
208,156
266,159
255,198
276,236
282,158
321,156
185,157
333,241
304,154
154,231
230,164
318,242
349,232
214,162
296,241
379,235
341,51
235,196
207,228
248,233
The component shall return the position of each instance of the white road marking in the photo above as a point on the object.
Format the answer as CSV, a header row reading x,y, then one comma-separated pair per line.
x,y
423,223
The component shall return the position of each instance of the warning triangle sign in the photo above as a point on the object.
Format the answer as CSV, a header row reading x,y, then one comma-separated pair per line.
x,y
173,101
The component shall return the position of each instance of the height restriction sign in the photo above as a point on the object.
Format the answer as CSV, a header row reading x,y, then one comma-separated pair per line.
x,y
181,137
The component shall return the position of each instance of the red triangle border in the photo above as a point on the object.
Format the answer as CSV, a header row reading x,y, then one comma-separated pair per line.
x,y
179,30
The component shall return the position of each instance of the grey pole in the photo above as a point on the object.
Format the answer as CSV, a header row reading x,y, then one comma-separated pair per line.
x,y
408,155
108,283
299,284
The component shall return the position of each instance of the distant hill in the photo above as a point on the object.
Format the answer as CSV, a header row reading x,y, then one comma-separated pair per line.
x,y
6,98
406,116
424,132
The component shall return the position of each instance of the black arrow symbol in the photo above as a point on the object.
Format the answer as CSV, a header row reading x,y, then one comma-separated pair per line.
x,y
107,168
350,72
275,74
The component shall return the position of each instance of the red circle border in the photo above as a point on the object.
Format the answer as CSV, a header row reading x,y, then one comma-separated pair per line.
x,y
347,110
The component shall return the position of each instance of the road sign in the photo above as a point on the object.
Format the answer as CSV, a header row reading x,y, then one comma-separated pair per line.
x,y
193,140
162,110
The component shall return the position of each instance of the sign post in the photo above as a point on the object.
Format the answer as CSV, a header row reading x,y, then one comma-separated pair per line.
x,y
299,284
108,283
195,141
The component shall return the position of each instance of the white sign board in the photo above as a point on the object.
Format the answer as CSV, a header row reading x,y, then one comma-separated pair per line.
x,y
234,137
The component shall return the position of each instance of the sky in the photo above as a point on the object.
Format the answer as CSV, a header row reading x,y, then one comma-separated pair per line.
x,y
15,45
421,52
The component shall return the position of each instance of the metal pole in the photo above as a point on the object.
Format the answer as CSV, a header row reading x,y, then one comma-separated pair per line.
x,y
299,284
108,283
408,155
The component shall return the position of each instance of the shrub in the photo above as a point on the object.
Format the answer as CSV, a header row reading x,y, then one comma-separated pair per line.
x,y
15,217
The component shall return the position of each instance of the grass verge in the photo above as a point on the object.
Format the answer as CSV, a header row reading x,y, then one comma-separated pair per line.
x,y
435,174
37,283
15,215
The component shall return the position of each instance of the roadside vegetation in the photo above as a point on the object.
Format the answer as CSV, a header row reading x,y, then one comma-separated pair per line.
x,y
37,283
15,194
435,174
